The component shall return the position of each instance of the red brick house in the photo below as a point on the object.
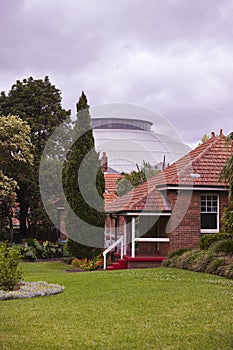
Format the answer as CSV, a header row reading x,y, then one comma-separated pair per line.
x,y
173,209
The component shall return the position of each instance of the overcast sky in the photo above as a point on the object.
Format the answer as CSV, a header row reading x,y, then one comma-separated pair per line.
x,y
172,56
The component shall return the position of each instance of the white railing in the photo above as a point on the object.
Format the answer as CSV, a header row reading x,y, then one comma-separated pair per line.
x,y
156,240
152,239
112,246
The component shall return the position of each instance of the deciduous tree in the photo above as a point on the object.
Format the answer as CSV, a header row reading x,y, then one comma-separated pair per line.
x,y
15,153
227,175
37,102
136,178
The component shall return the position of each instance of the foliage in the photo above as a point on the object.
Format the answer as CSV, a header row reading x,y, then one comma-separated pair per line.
x,y
172,256
15,153
38,103
15,141
81,251
224,246
7,190
207,240
80,212
10,273
214,260
204,138
31,249
130,302
227,171
89,265
227,218
136,178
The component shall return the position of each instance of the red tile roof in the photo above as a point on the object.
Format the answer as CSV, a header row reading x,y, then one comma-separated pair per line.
x,y
111,186
200,167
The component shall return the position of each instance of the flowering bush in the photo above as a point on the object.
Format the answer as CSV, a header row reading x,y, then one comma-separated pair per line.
x,y
89,265
31,290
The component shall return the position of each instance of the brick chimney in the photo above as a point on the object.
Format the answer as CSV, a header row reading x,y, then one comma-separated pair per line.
x,y
212,134
104,163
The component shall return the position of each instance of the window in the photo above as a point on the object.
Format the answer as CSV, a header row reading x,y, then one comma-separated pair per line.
x,y
209,214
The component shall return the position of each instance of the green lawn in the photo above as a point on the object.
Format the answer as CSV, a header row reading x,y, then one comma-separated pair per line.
x,y
117,310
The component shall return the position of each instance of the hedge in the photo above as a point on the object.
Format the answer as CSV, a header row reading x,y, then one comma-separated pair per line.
x,y
207,240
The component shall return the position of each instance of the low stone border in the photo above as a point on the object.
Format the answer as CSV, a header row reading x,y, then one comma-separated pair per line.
x,y
31,290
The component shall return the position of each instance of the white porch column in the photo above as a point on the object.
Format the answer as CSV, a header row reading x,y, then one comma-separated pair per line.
x,y
110,229
125,236
133,238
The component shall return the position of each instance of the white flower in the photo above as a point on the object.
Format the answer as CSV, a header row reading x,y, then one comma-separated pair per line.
x,y
31,290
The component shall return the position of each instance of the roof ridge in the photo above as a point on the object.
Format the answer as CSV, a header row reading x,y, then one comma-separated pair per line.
x,y
208,145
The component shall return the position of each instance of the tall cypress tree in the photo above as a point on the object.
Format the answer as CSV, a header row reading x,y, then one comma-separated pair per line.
x,y
84,186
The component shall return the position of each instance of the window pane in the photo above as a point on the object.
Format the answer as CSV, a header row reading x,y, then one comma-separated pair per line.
x,y
209,221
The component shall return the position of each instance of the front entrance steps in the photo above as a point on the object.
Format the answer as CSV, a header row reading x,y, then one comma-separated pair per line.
x,y
120,264
138,262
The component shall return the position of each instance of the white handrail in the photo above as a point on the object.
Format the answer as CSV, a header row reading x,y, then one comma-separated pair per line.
x,y
162,239
112,246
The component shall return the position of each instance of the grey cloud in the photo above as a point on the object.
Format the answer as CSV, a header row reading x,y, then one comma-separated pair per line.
x,y
173,56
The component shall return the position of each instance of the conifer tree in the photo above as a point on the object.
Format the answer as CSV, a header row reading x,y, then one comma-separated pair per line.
x,y
84,185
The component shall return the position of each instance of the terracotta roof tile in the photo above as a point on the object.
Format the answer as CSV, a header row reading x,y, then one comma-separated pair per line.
x,y
111,186
200,167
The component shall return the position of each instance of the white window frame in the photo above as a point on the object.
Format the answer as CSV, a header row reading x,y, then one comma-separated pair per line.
x,y
210,230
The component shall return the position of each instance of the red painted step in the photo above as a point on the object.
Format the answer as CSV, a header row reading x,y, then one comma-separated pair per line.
x,y
120,264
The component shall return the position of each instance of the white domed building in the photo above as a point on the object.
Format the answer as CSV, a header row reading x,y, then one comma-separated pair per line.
x,y
128,142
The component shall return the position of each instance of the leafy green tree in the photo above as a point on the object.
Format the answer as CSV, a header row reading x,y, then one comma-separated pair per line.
x,y
204,138
227,171
15,153
80,188
136,178
227,175
37,102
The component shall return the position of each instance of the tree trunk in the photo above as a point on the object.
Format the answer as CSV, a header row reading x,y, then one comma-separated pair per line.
x,y
23,218
9,213
11,233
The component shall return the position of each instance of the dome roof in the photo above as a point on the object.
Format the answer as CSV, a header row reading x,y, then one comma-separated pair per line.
x,y
128,142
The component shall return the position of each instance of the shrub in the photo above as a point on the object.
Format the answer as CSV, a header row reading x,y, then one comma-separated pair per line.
x,y
202,261
186,260
226,269
207,240
10,273
224,246
89,265
227,218
173,256
81,251
31,249
209,261
215,264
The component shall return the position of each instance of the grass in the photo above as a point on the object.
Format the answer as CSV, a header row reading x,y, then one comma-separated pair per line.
x,y
158,309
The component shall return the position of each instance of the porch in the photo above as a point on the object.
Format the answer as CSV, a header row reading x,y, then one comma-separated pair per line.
x,y
136,241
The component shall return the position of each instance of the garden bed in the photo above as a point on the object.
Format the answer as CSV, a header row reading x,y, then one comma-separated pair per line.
x,y
30,290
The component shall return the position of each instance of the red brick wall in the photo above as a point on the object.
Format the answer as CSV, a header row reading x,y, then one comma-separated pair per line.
x,y
187,233
143,265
